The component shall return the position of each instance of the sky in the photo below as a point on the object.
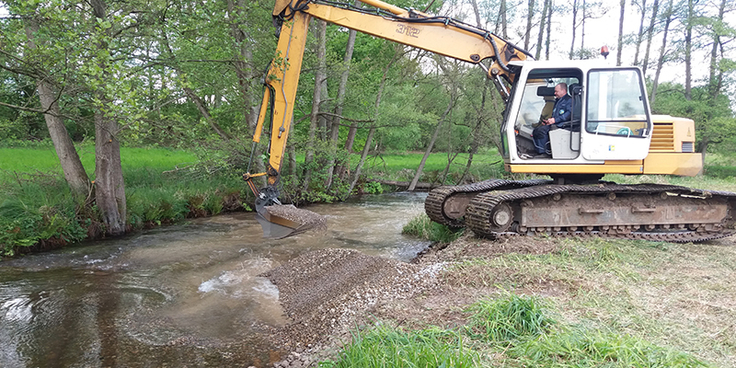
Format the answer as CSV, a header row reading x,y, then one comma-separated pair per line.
x,y
604,31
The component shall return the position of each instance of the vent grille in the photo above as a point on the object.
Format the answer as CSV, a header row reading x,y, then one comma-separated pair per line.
x,y
688,147
663,138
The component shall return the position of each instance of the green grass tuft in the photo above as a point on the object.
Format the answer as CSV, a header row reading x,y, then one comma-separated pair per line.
x,y
511,318
424,228
387,347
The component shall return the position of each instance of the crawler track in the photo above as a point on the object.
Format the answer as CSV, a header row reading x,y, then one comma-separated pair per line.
x,y
446,205
645,211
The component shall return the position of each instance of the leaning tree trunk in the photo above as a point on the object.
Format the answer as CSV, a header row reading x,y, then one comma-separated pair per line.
x,y
372,130
418,174
74,173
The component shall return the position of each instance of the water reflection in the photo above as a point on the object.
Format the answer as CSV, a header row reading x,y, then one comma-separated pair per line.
x,y
180,295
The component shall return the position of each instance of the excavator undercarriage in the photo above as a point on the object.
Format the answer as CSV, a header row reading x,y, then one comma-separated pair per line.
x,y
507,208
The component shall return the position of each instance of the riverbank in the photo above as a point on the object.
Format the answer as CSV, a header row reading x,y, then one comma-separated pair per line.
x,y
671,303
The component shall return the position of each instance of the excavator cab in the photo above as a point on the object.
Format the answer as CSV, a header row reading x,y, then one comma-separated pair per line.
x,y
610,118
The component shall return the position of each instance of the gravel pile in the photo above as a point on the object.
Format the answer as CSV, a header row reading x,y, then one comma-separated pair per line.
x,y
308,219
329,291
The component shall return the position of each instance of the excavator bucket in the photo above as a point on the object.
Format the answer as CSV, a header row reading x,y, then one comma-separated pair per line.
x,y
281,221
277,220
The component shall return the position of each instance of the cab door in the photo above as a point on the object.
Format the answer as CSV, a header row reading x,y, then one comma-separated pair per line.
x,y
618,124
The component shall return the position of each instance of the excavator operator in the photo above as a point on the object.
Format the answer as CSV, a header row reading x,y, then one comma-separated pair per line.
x,y
561,113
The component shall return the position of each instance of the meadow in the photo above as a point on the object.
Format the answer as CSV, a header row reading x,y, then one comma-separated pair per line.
x,y
167,185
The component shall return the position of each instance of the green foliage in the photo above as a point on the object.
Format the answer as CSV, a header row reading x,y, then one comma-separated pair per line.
x,y
387,347
422,227
714,119
372,187
510,318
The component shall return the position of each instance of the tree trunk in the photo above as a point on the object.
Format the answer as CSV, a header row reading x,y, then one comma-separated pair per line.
x,y
109,184
655,84
504,23
582,25
319,76
202,107
476,11
689,50
574,27
418,174
540,36
332,170
528,32
549,31
74,173
714,83
372,130
650,33
640,35
620,33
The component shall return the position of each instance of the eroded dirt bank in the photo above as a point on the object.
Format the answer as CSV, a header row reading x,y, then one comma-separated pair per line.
x,y
327,294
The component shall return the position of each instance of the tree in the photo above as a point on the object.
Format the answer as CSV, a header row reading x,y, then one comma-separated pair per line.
x,y
529,18
650,33
547,9
319,78
620,33
74,173
668,20
640,34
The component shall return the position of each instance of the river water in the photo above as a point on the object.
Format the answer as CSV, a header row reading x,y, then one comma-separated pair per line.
x,y
181,295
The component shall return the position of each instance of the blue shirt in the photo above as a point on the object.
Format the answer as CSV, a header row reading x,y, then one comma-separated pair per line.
x,y
562,110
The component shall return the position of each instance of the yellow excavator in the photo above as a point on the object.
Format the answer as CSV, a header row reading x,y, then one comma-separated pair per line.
x,y
610,131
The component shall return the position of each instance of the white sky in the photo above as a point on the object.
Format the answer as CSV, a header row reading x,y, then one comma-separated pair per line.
x,y
604,31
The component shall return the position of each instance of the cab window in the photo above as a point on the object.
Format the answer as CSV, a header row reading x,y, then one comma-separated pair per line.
x,y
616,103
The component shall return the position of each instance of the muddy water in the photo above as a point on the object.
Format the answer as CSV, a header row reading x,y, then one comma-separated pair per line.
x,y
182,295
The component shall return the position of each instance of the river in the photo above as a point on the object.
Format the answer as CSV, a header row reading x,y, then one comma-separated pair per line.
x,y
181,295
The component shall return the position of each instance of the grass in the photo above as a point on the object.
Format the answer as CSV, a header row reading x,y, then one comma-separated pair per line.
x,y
384,346
620,294
509,331
37,209
44,160
424,228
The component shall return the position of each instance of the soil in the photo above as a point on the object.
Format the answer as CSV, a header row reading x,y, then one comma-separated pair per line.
x,y
327,294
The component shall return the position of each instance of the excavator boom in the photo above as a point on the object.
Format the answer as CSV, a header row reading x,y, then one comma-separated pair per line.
x,y
438,34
